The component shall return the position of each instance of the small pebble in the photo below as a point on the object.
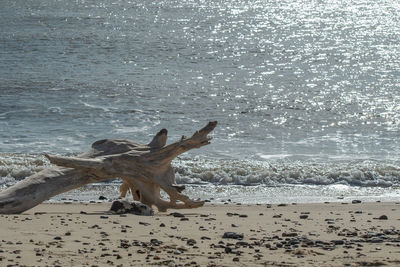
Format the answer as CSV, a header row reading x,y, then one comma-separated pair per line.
x,y
383,217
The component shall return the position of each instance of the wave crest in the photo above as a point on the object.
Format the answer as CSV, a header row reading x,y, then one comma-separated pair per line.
x,y
356,173
200,170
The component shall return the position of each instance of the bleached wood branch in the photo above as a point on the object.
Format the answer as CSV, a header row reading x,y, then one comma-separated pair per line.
x,y
145,169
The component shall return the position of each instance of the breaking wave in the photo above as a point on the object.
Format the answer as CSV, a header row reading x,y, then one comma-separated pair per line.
x,y
200,170
276,172
15,167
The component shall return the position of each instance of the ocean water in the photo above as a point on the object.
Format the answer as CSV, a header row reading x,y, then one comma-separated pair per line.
x,y
306,93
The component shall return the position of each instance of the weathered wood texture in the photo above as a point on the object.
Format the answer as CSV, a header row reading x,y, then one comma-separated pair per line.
x,y
145,169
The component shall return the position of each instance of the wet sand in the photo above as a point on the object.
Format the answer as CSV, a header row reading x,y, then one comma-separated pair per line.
x,y
326,234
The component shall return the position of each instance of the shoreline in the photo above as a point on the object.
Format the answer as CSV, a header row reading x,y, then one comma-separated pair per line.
x,y
312,234
252,194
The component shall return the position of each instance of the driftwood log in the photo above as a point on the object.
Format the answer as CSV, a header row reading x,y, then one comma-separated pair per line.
x,y
144,169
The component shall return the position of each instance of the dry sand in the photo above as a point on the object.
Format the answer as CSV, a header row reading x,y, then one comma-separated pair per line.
x,y
330,234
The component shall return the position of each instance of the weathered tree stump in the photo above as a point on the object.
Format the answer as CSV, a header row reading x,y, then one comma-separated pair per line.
x,y
144,169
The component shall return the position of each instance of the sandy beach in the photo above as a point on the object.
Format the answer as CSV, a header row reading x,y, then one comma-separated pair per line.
x,y
326,234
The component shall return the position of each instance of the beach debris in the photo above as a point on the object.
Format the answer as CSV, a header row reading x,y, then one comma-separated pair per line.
x,y
177,214
137,208
191,242
253,242
233,235
144,168
289,234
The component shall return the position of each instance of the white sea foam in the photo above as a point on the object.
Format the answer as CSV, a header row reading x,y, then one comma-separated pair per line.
x,y
15,167
272,181
275,172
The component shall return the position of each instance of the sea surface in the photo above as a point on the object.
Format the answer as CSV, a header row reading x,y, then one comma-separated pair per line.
x,y
306,93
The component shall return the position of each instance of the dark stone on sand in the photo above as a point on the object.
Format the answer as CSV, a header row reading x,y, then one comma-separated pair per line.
x,y
338,242
355,201
235,259
383,217
389,232
191,242
289,234
233,235
184,219
303,216
137,208
228,250
83,212
177,214
124,243
242,244
162,225
102,198
144,223
156,242
282,205
243,216
103,217
68,233
57,238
